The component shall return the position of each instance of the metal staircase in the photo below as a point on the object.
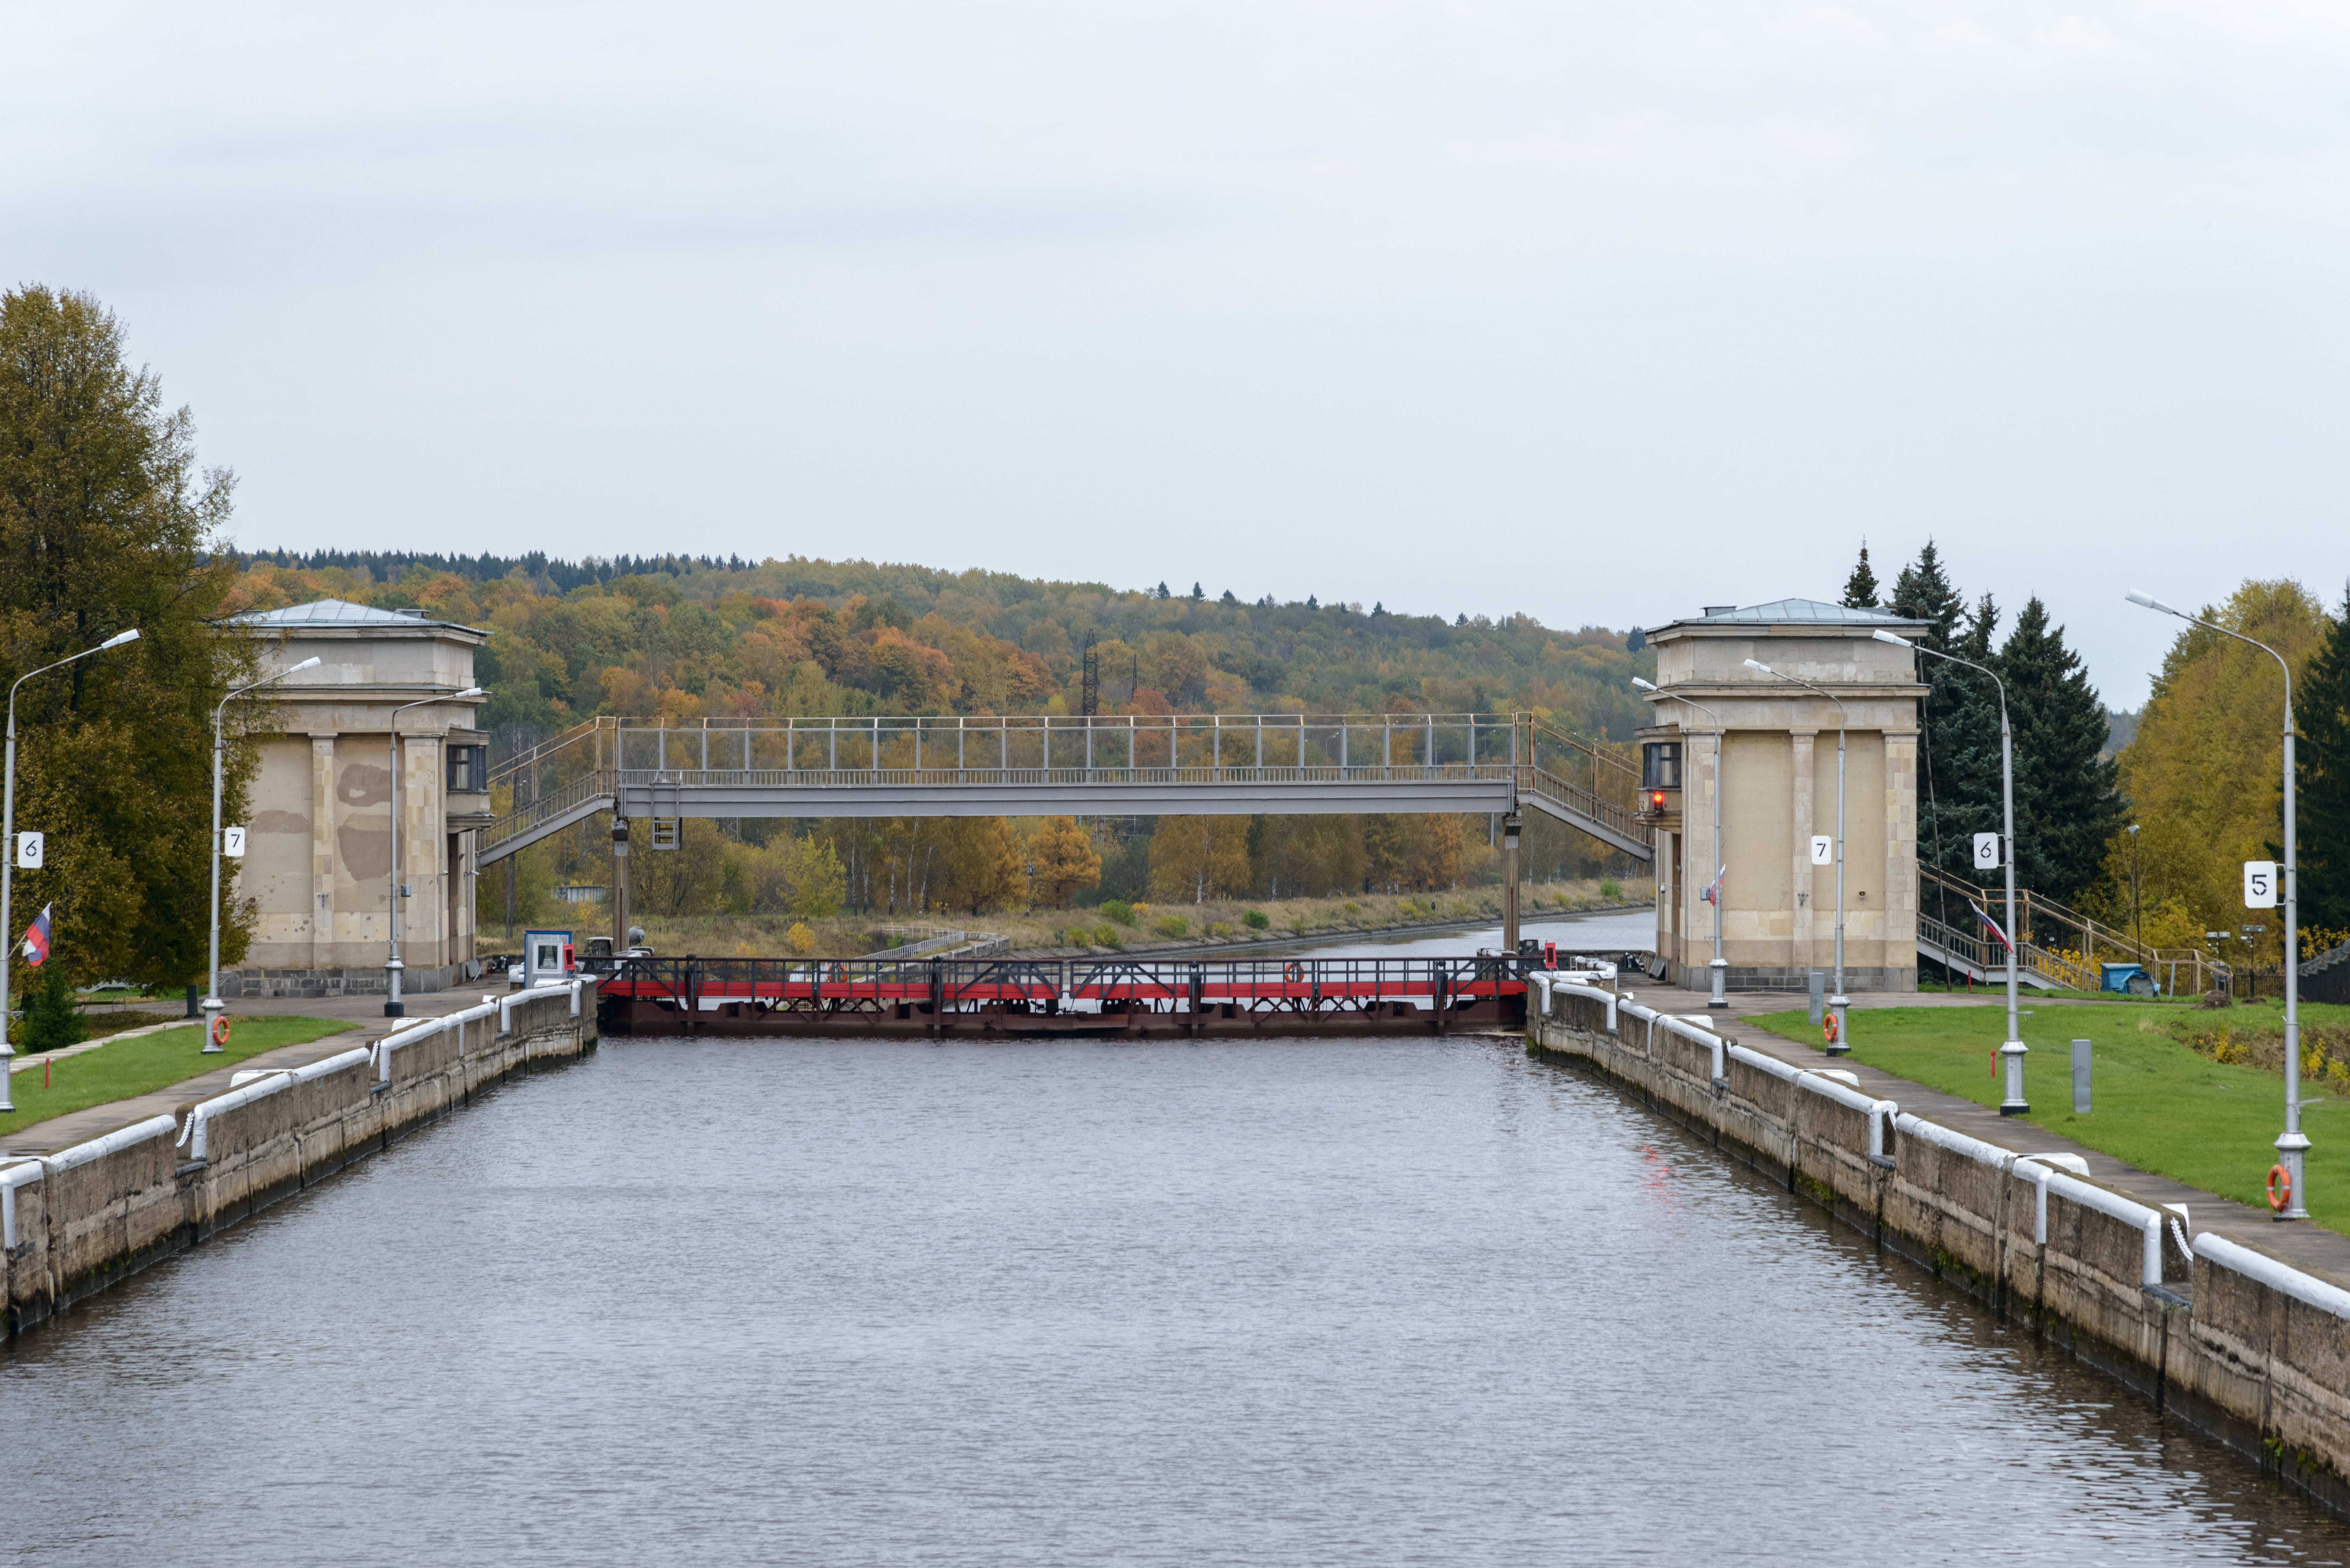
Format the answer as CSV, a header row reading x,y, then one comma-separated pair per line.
x,y
1964,947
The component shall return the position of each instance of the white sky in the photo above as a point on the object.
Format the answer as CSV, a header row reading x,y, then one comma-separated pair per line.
x,y
1603,312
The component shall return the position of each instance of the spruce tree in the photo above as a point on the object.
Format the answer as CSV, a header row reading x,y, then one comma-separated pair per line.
x,y
1924,592
2068,804
52,1020
1966,754
1860,588
2321,718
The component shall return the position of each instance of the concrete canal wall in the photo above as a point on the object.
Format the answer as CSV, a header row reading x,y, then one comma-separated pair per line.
x,y
2247,1348
75,1221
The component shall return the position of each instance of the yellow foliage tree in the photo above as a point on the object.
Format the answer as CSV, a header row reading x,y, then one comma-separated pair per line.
x,y
1436,852
1064,859
1195,859
2203,774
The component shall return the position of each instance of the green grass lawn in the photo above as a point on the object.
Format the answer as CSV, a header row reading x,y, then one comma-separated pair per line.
x,y
141,1067
2157,1105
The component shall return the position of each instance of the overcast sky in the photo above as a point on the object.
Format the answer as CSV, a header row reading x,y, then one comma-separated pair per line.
x,y
1601,312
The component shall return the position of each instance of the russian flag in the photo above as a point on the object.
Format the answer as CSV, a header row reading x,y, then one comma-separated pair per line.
x,y
36,939
1980,914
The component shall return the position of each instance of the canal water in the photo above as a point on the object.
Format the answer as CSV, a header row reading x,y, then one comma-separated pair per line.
x,y
1372,1301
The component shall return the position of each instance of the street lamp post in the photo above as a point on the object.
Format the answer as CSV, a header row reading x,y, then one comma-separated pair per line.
x,y
213,1004
8,848
1839,1004
393,1007
1720,966
2138,920
2292,1147
2015,1050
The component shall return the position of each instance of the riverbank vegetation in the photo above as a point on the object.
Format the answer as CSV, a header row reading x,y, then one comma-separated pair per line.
x,y
957,870
1115,924
2167,1096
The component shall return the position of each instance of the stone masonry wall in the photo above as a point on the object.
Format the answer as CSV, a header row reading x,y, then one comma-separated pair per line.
x,y
77,1221
2264,1369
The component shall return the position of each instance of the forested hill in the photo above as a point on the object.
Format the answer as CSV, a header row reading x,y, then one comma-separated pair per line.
x,y
693,636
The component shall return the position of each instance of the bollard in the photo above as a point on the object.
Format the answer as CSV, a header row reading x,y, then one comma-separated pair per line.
x,y
193,1011
2080,1077
1819,996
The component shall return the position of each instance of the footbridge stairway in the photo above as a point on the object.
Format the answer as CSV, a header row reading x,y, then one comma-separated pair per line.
x,y
2058,948
1030,765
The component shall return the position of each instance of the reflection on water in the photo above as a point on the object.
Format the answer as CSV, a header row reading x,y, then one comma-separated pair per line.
x,y
1326,1302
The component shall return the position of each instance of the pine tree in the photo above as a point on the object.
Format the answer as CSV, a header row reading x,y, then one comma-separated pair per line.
x,y
2068,801
1860,588
2321,716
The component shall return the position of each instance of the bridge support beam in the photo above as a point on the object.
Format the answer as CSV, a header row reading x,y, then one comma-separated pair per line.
x,y
1509,825
619,896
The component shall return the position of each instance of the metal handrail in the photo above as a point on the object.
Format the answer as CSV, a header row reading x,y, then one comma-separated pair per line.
x,y
606,758
1990,961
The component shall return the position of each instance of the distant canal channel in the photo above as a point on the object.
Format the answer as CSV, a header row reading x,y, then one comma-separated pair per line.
x,y
1375,1302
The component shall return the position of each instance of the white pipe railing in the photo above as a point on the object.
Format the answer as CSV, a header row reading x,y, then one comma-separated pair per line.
x,y
2060,1173
1951,1142
1699,1037
38,1165
2220,1252
14,1177
194,1135
2037,1169
120,1137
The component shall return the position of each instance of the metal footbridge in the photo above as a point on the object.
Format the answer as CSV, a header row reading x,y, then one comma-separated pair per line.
x,y
1035,765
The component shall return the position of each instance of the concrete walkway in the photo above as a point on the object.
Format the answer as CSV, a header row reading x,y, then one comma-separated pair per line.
x,y
367,1021
2306,1244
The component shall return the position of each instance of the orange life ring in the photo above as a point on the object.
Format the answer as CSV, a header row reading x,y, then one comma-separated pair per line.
x,y
2280,1188
1293,973
1829,1025
220,1028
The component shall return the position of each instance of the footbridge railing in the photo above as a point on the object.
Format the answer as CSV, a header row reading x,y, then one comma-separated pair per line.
x,y
1278,763
1979,955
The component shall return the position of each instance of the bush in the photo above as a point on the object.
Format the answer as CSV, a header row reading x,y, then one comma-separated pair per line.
x,y
1171,925
1611,890
802,939
1118,909
52,1022
1107,937
1255,920
1219,929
